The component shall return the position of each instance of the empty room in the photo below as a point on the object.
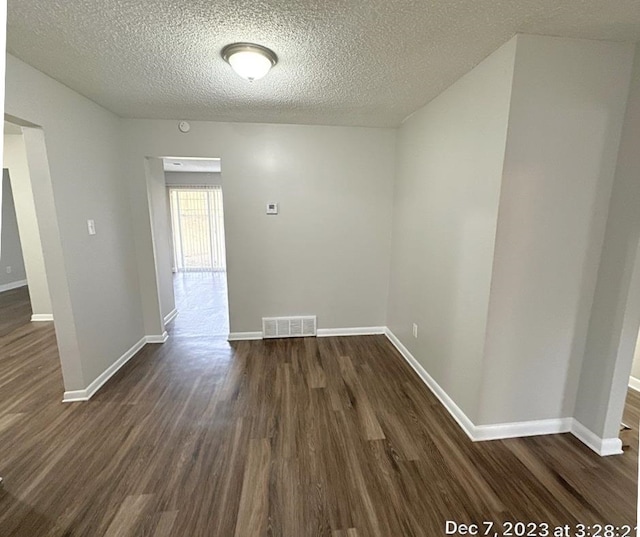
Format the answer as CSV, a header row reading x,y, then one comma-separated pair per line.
x,y
340,269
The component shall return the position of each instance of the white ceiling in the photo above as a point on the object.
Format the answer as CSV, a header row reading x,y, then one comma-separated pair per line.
x,y
342,62
197,165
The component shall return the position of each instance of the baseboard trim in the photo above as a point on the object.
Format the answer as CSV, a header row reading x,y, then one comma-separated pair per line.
x,y
519,429
89,391
156,339
244,336
321,332
501,431
602,446
12,285
40,317
634,384
356,331
456,412
170,316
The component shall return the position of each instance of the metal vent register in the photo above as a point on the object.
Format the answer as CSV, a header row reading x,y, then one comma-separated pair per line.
x,y
277,327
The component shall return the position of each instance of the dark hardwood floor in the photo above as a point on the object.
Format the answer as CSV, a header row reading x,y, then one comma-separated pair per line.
x,y
15,310
331,437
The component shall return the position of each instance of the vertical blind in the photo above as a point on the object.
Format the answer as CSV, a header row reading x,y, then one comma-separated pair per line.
x,y
198,229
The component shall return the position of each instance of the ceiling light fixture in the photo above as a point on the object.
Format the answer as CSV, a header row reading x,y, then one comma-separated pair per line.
x,y
250,61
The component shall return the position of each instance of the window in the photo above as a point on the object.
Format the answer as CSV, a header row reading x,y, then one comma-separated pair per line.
x,y
198,229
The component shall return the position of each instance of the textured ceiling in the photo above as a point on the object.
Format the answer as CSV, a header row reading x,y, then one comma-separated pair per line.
x,y
342,62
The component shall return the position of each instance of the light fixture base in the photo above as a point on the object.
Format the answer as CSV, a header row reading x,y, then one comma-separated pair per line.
x,y
249,60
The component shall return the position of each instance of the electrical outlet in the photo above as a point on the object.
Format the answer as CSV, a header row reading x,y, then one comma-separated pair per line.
x,y
9,269
415,330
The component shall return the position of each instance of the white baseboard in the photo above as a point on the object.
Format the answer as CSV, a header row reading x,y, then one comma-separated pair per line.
x,y
244,336
170,316
500,431
12,285
156,339
321,332
456,412
519,429
39,317
357,331
602,446
634,384
89,391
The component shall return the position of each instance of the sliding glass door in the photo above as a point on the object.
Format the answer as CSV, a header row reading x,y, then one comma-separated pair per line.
x,y
198,229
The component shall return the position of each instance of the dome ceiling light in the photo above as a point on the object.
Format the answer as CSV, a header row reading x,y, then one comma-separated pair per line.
x,y
250,61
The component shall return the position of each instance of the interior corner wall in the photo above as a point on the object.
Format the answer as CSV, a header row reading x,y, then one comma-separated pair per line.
x,y
615,317
161,232
83,150
326,253
10,248
567,109
449,170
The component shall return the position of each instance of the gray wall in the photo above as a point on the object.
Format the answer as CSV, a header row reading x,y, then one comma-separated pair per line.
x,y
567,109
448,176
326,253
103,311
498,233
10,249
161,229
613,327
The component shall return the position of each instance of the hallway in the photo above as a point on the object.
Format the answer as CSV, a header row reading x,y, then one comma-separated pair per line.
x,y
201,301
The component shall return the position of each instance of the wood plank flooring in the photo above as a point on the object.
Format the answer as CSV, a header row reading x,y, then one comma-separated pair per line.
x,y
15,310
332,437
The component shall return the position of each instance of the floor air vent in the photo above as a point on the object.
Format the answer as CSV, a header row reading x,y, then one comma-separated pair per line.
x,y
276,327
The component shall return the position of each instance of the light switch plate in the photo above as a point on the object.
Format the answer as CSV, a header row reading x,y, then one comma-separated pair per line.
x,y
272,208
91,226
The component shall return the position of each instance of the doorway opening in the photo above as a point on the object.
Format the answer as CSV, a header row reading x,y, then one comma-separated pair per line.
x,y
15,305
38,275
186,196
199,260
21,251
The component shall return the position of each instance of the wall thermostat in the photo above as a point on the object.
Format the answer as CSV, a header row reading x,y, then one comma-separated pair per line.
x,y
184,126
272,208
